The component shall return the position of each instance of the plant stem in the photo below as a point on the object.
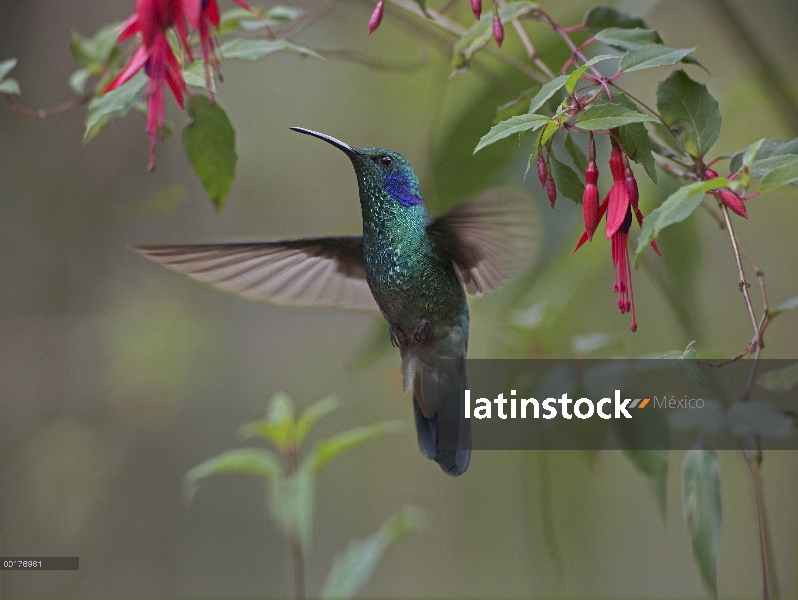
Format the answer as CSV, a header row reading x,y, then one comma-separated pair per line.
x,y
44,113
295,550
768,590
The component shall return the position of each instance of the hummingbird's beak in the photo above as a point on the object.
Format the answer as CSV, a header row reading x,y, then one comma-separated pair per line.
x,y
329,139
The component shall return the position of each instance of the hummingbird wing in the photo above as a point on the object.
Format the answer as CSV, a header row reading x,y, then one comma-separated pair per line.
x,y
489,239
311,272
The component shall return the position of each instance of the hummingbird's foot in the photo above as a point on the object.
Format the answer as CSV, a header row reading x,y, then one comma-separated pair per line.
x,y
398,337
422,332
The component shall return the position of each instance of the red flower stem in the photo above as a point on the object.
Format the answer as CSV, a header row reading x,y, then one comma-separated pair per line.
x,y
44,113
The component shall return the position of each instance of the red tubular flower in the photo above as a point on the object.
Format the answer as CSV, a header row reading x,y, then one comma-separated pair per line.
x,y
622,279
726,196
204,16
476,8
376,17
551,190
543,172
152,20
590,197
498,29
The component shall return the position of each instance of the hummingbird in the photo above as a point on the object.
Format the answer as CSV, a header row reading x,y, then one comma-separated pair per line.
x,y
414,269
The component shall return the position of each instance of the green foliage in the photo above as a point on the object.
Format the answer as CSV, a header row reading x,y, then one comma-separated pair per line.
x,y
114,105
568,182
634,139
678,206
788,304
352,569
649,57
209,141
573,78
512,125
8,85
686,363
609,116
761,419
246,461
576,153
653,464
702,508
690,111
546,92
252,49
602,17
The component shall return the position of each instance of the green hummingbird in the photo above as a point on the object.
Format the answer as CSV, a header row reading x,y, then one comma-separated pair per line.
x,y
412,268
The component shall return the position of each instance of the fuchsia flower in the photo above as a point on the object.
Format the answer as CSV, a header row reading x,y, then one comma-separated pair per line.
x,y
152,20
376,17
203,15
476,8
726,196
498,29
618,204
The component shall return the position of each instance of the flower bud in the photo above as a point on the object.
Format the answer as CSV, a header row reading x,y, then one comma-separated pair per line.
x,y
590,200
476,8
709,173
734,202
543,172
376,17
551,190
498,29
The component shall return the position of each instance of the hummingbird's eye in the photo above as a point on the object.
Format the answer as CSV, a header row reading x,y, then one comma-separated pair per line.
x,y
386,161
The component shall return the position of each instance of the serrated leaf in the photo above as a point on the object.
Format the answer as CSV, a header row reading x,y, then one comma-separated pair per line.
x,y
608,116
252,49
576,153
601,17
6,66
481,32
9,86
676,208
779,380
568,182
209,141
574,77
247,461
512,125
703,511
114,105
786,173
628,39
312,415
546,92
690,111
649,57
763,166
789,304
767,149
328,449
356,565
755,417
292,503
635,140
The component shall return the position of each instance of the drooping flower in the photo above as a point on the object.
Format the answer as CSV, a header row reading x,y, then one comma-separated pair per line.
x,y
152,20
590,197
726,196
204,16
498,29
476,8
551,190
543,172
376,17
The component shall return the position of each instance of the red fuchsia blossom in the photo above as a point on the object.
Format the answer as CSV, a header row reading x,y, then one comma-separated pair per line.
x,y
543,171
726,196
590,197
498,29
152,20
551,190
476,8
376,17
204,16
618,204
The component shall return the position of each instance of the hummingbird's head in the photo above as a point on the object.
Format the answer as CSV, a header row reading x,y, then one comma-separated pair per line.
x,y
379,167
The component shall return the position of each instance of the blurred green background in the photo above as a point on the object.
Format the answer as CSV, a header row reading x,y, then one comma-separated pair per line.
x,y
117,376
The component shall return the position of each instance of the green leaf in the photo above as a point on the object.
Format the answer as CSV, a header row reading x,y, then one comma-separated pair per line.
x,y
6,66
312,415
568,182
779,380
279,426
210,141
654,465
676,208
687,364
546,92
194,75
292,503
481,32
576,153
634,139
93,53
786,173
702,508
77,81
247,461
9,86
767,149
252,49
690,111
763,166
114,105
515,107
788,304
649,57
607,116
574,77
328,449
755,417
602,17
628,39
353,569
512,125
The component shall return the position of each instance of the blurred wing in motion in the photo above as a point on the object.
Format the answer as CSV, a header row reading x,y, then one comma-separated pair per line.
x,y
490,239
312,272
